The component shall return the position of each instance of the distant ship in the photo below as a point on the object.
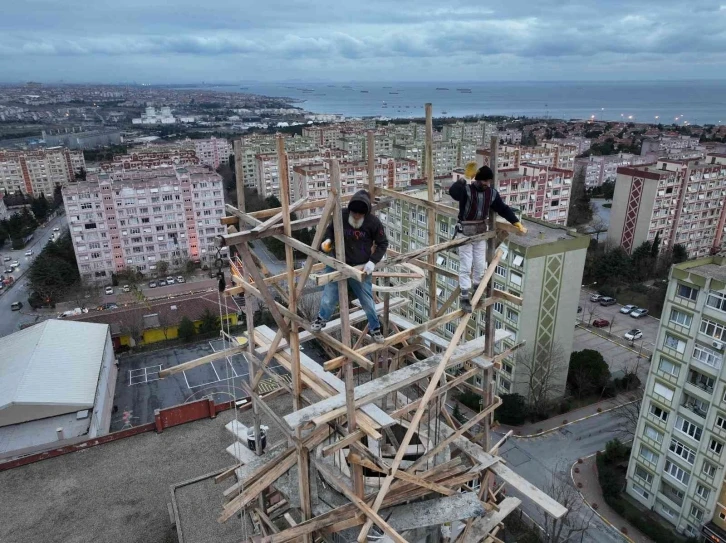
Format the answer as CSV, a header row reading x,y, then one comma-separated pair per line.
x,y
464,90
441,88
364,91
244,88
444,112
392,93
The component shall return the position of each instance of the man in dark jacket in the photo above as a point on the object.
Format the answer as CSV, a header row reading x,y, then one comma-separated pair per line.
x,y
361,230
475,202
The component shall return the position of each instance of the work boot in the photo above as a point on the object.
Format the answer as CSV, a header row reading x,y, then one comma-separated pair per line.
x,y
318,324
464,302
377,335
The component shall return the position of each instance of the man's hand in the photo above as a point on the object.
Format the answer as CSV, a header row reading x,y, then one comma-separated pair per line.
x,y
369,267
522,229
327,246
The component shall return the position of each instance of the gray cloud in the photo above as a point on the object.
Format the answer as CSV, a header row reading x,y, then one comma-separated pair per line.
x,y
341,38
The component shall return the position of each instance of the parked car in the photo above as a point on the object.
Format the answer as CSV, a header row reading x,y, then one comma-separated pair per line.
x,y
633,334
7,258
126,288
595,298
607,300
16,306
109,290
15,263
9,270
56,229
640,312
600,323
170,280
161,282
152,284
180,279
106,306
628,308
29,252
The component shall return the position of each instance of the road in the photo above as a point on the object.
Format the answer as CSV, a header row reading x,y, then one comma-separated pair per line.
x,y
10,321
538,459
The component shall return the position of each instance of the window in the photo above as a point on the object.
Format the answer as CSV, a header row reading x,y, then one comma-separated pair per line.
x,y
707,356
696,512
518,260
717,300
641,491
708,468
692,430
512,315
721,422
648,455
715,446
667,511
500,270
643,474
702,491
675,343
678,473
499,307
666,366
689,293
664,391
515,278
688,454
713,329
662,414
722,515
652,433
681,318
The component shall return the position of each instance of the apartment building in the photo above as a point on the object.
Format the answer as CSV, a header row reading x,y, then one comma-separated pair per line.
x,y
479,132
599,169
213,151
256,144
145,158
135,219
581,143
510,137
447,155
677,464
41,170
668,145
681,201
540,267
549,154
267,167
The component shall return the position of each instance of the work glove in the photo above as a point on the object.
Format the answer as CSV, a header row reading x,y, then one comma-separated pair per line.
x,y
522,229
470,170
369,267
327,246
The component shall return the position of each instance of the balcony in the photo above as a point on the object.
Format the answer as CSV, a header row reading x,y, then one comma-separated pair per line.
x,y
699,407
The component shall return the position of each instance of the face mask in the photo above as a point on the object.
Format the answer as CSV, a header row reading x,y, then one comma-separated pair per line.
x,y
355,223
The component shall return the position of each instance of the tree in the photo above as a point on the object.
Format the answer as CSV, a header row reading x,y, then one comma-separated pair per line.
x,y
57,197
543,371
608,189
186,330
588,373
209,322
81,175
680,254
163,267
655,247
628,413
643,263
580,206
612,266
573,525
513,409
54,272
40,207
133,326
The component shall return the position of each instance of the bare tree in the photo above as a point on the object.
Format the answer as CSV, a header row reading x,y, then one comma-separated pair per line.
x,y
573,525
543,371
590,311
133,325
84,294
308,305
628,413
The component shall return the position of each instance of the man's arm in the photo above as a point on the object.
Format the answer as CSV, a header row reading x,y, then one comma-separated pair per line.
x,y
381,241
329,234
502,209
458,190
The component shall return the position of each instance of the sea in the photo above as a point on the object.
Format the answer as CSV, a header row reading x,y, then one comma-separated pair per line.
x,y
692,102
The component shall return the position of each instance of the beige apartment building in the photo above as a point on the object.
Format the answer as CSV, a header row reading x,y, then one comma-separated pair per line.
x,y
134,220
681,201
268,183
677,462
40,170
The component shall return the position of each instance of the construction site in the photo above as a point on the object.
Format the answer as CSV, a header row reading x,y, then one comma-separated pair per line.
x,y
367,448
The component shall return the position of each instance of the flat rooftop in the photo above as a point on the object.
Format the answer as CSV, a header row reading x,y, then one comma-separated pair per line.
x,y
34,433
711,266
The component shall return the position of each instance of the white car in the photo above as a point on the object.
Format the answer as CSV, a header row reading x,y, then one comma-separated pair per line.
x,y
56,229
29,252
633,334
109,290
180,279
628,308
126,288
14,264
170,280
595,297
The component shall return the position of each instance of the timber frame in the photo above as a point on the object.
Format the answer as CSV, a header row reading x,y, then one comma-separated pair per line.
x,y
349,433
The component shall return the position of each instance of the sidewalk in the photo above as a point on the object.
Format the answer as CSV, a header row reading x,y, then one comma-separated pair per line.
x,y
593,497
536,429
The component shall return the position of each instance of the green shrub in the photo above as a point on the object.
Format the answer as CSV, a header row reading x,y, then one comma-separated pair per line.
x,y
513,409
186,330
471,400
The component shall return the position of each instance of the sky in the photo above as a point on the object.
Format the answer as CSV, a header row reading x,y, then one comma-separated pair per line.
x,y
188,41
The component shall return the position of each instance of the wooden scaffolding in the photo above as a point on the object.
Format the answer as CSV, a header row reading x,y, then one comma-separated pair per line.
x,y
379,432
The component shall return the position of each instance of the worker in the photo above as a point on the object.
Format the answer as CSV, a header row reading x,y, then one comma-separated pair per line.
x,y
365,243
475,201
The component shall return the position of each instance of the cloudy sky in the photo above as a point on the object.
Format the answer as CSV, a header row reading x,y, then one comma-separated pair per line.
x,y
375,40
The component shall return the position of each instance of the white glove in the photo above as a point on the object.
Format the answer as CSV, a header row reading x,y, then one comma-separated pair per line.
x,y
369,267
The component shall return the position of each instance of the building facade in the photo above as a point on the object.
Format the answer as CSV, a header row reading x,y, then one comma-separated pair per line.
x,y
41,170
680,201
677,464
599,169
134,220
213,152
537,267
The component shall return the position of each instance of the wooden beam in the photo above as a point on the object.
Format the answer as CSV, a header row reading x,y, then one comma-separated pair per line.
x,y
235,238
506,296
423,264
418,481
401,411
166,372
482,526
267,409
251,268
278,217
449,211
448,303
344,442
445,246
431,213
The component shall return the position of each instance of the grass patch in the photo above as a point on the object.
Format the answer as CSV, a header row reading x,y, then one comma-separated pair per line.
x,y
608,206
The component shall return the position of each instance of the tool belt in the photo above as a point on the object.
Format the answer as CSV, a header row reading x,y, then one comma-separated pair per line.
x,y
470,228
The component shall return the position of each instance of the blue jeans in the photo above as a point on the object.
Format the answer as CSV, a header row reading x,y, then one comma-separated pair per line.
x,y
363,291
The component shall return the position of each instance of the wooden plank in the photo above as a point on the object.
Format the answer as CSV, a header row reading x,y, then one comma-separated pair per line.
x,y
344,442
449,211
251,268
481,527
425,265
410,478
431,213
413,426
235,238
449,302
500,294
448,386
278,217
267,409
166,372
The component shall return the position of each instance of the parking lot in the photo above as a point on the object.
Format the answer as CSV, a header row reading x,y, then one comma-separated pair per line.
x,y
618,357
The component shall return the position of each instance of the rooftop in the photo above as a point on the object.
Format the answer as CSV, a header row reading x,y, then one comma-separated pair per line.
x,y
713,267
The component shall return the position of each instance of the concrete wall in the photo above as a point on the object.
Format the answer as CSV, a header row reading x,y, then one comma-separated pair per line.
x,y
624,187
103,408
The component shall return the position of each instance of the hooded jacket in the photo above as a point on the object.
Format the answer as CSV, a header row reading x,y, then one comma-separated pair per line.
x,y
475,205
359,241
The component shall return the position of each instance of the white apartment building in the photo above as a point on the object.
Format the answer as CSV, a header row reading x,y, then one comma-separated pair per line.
x,y
599,169
681,201
134,220
267,167
677,462
41,170
152,116
510,137
256,144
479,132
213,151
538,267
447,155
581,143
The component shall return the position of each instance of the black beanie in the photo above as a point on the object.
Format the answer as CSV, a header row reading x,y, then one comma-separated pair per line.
x,y
484,174
358,206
